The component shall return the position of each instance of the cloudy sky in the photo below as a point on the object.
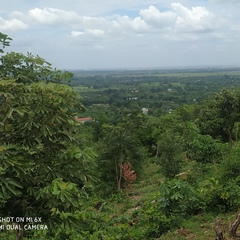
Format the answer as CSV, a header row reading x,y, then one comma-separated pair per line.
x,y
103,34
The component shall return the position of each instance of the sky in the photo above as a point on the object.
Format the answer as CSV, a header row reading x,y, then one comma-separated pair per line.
x,y
125,34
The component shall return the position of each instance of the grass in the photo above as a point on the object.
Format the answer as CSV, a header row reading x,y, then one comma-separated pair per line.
x,y
196,227
200,227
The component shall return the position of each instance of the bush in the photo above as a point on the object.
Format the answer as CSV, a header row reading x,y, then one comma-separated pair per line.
x,y
166,210
177,198
152,222
219,197
230,166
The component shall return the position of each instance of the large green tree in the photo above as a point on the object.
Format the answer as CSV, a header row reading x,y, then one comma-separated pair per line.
x,y
43,171
220,115
119,144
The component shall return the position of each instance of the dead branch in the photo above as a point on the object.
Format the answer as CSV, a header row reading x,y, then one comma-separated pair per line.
x,y
218,229
233,226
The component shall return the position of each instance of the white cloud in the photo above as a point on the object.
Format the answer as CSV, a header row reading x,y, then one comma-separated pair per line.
x,y
12,25
125,24
57,17
195,19
226,2
52,16
76,33
154,17
95,32
178,18
152,27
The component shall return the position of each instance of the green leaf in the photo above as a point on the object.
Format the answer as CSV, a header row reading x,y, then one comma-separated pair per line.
x,y
14,183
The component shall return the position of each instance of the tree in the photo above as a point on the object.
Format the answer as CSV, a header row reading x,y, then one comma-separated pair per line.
x,y
219,116
44,173
168,144
29,68
230,165
204,149
170,153
4,40
119,145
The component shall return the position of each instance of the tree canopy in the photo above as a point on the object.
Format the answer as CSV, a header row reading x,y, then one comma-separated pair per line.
x,y
5,41
44,172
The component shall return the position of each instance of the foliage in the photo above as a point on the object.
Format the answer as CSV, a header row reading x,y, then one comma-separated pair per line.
x,y
204,149
153,222
48,167
170,149
129,174
166,209
28,69
43,171
219,197
230,165
220,115
4,41
177,198
158,90
117,146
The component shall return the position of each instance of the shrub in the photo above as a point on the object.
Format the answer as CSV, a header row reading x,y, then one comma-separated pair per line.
x,y
219,197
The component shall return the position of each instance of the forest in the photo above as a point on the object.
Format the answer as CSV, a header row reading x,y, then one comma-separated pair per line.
x,y
158,157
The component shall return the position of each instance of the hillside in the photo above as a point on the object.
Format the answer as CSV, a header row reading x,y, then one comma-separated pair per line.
x,y
158,158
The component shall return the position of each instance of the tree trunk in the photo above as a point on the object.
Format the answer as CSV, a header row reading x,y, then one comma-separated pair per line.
x,y
230,137
157,151
218,229
118,170
236,136
19,232
119,176
233,226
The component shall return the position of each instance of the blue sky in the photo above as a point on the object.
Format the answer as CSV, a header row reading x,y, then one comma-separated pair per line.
x,y
113,34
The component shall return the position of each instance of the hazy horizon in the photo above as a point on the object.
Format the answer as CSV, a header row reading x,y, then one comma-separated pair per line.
x,y
125,34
